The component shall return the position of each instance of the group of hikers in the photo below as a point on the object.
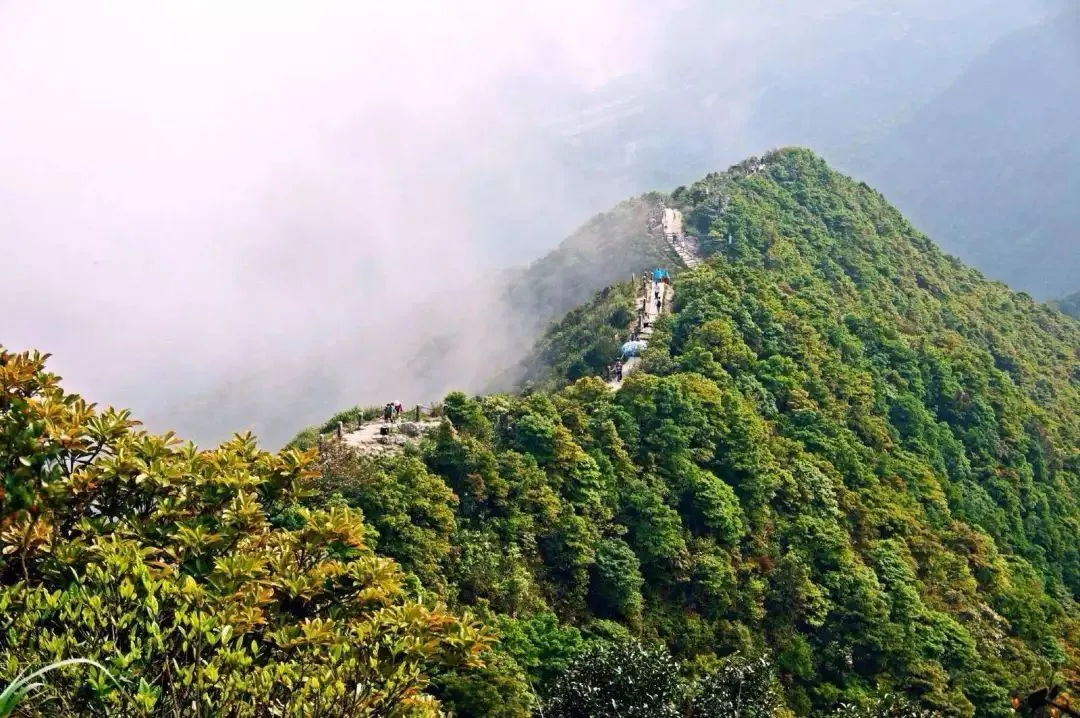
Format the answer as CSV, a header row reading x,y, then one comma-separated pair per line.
x,y
392,411
636,344
660,277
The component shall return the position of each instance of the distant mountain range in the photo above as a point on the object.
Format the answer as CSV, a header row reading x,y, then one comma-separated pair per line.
x,y
833,77
1069,304
991,167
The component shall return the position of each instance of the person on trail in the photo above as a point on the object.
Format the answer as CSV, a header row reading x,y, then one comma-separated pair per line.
x,y
658,304
388,413
618,370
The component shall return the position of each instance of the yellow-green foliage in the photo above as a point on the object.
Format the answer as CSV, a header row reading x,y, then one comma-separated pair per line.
x,y
194,576
845,451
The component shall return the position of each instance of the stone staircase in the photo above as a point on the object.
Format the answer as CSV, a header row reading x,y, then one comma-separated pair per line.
x,y
673,233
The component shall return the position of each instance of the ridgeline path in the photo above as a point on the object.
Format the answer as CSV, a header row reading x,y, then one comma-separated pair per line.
x,y
378,437
369,439
673,233
647,313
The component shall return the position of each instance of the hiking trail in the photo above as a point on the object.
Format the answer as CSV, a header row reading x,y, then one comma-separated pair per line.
x,y
369,439
685,247
647,314
378,437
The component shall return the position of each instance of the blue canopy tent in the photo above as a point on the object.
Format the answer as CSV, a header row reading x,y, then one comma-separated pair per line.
x,y
634,348
660,275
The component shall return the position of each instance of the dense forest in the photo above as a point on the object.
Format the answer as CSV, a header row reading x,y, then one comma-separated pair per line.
x,y
845,483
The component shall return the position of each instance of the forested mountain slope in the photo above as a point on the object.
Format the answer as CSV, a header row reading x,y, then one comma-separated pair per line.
x,y
849,468
610,247
989,168
522,302
847,453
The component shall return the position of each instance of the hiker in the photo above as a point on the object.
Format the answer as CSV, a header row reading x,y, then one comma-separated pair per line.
x,y
658,304
618,370
388,413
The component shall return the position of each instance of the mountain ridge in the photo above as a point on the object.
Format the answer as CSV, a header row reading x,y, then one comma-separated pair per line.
x,y
843,480
844,450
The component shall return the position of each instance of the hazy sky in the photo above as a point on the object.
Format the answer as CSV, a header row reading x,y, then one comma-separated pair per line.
x,y
194,191
186,184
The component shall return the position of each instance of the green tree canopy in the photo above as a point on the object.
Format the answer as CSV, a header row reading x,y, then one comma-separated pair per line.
x,y
194,576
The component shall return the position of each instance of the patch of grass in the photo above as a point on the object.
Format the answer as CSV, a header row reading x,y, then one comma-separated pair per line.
x,y
25,686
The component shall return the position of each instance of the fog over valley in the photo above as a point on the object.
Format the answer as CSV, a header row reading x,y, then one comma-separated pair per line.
x,y
230,215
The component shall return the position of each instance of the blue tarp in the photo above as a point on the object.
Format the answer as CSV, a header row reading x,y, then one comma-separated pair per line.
x,y
633,349
659,275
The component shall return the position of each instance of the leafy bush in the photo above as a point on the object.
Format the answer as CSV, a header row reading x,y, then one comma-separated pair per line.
x,y
305,439
617,582
618,680
621,318
741,688
350,418
194,576
890,705
541,646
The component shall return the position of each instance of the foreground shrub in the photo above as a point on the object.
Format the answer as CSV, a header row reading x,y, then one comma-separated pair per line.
x,y
193,576
890,705
618,679
741,687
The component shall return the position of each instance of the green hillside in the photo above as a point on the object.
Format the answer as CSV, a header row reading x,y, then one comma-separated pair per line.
x,y
846,483
852,454
607,249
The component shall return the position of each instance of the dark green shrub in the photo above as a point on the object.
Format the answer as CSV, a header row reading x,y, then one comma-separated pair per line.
x,y
618,680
